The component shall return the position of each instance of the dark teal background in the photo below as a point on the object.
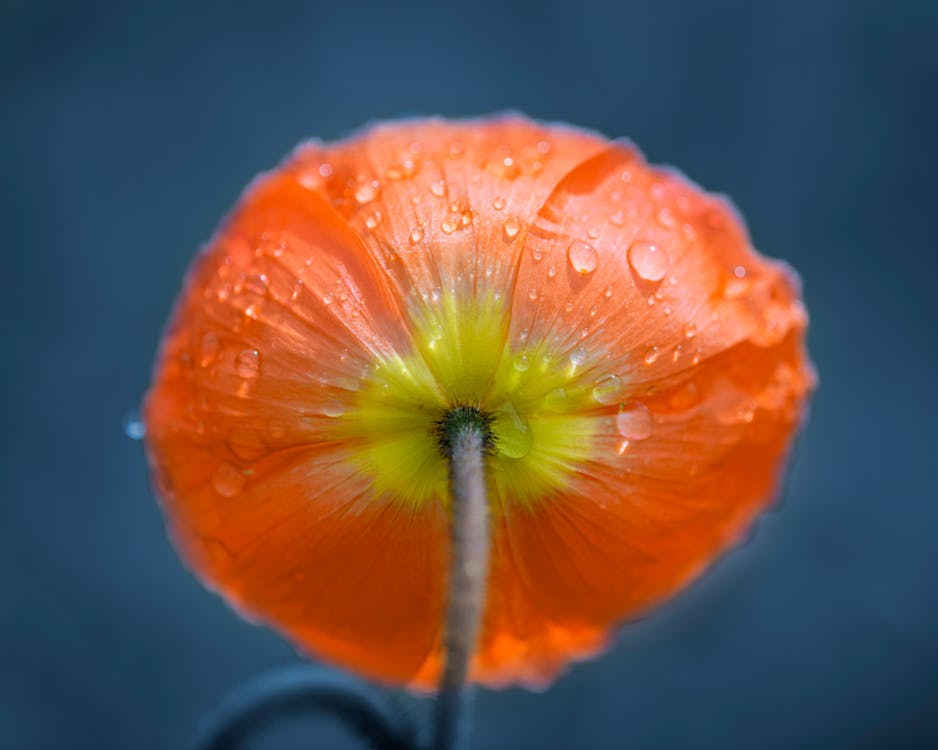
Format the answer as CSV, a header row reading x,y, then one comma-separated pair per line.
x,y
126,132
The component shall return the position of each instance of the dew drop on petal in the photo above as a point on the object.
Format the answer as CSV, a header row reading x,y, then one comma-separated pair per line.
x,y
256,283
366,192
297,290
649,261
247,363
522,363
578,356
438,188
498,203
514,437
227,480
208,349
556,399
690,330
416,235
651,354
634,422
333,408
511,228
449,226
582,256
606,390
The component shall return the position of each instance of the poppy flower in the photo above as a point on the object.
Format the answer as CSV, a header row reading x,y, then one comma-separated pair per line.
x,y
642,367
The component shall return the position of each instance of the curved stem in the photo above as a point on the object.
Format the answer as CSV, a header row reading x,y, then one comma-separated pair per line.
x,y
466,442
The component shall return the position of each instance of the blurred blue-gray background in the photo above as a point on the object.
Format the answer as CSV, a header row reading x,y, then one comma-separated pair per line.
x,y
127,131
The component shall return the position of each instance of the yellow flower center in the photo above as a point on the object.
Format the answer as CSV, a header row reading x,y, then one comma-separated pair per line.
x,y
543,411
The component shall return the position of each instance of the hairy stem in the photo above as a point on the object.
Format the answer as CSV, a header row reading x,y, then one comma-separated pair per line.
x,y
465,439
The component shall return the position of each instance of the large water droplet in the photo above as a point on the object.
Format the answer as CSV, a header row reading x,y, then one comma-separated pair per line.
x,y
634,422
247,363
449,226
649,261
582,256
227,480
607,389
514,437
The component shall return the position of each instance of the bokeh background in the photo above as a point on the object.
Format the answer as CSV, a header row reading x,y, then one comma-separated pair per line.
x,y
127,131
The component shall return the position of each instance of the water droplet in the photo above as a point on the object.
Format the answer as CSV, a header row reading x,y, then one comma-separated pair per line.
x,y
372,221
297,291
543,147
498,203
551,272
325,170
578,356
256,283
593,233
513,434
556,399
327,298
582,256
505,167
247,363
617,218
333,408
208,349
416,235
133,426
651,354
608,293
521,363
666,218
466,218
532,294
449,226
402,171
607,389
366,192
690,330
227,480
739,272
649,261
511,228
438,188
634,422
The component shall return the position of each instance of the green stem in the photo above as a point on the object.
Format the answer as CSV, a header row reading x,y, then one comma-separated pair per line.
x,y
465,439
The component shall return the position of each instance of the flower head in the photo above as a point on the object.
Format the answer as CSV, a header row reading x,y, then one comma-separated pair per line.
x,y
641,367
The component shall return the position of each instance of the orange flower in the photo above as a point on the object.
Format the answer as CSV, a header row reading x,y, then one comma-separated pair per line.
x,y
643,367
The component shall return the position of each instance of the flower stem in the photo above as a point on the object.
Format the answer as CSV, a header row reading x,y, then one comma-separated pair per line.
x,y
465,438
